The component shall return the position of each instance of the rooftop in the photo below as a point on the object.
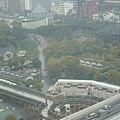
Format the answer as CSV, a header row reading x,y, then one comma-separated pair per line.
x,y
5,49
39,9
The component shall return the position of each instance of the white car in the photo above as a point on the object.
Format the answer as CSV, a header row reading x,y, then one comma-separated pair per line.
x,y
102,110
7,73
12,74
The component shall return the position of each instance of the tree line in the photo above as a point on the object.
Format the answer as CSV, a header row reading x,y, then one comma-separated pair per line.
x,y
63,55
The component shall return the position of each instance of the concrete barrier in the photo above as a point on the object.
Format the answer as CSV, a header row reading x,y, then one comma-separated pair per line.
x,y
92,108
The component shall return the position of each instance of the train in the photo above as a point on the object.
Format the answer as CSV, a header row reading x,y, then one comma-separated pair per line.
x,y
7,82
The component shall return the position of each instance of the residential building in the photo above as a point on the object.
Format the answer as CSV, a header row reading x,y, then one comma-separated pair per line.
x,y
89,8
54,8
14,6
1,3
21,53
78,7
45,4
18,6
33,4
22,5
63,8
27,5
113,1
7,52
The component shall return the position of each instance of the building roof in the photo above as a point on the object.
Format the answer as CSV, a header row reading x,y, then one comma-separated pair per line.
x,y
5,49
39,9
21,53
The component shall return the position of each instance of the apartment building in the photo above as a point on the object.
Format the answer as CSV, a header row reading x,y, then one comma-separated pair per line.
x,y
14,6
62,8
1,3
88,8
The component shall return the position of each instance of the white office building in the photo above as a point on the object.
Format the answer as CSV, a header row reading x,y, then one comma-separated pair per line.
x,y
62,8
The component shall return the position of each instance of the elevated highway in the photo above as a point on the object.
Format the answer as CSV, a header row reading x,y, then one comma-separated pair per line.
x,y
113,102
111,97
26,95
114,117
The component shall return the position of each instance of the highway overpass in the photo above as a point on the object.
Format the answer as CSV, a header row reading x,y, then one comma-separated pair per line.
x,y
26,95
68,87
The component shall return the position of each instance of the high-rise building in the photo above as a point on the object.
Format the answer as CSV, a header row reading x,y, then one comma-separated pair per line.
x,y
89,8
45,4
14,6
64,8
1,3
6,5
28,5
22,5
32,4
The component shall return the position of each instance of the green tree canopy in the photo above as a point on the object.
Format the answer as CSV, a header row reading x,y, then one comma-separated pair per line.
x,y
10,117
30,113
113,76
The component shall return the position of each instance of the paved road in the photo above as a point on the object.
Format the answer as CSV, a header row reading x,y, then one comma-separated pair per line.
x,y
109,113
106,115
114,117
44,112
47,83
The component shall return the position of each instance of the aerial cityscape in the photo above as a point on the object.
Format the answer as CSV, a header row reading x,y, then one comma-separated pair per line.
x,y
59,59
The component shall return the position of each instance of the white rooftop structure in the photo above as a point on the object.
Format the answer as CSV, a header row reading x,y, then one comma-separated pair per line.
x,y
86,82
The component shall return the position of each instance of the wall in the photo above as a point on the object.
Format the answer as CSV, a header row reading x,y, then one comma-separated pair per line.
x,y
34,24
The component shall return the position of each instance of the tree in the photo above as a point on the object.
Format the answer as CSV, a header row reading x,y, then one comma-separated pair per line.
x,y
52,66
36,63
97,76
10,63
113,76
10,117
30,113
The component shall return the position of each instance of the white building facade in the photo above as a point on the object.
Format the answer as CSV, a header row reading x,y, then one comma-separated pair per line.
x,y
27,4
62,8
